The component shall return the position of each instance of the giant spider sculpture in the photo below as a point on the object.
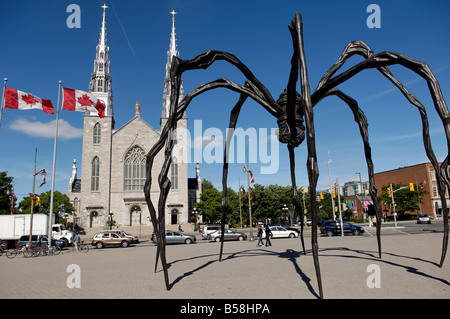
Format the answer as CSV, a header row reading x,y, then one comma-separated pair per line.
x,y
292,110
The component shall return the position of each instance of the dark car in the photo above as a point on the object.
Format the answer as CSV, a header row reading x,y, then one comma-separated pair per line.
x,y
38,240
333,227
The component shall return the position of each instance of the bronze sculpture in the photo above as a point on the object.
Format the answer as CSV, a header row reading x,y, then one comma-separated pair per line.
x,y
292,110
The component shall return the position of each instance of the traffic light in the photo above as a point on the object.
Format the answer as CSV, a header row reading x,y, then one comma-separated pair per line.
x,y
389,191
411,187
334,191
321,195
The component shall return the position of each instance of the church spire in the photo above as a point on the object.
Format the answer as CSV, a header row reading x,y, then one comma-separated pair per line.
x,y
173,51
100,83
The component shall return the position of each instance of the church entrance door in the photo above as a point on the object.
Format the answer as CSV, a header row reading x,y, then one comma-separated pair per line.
x,y
174,217
94,220
135,216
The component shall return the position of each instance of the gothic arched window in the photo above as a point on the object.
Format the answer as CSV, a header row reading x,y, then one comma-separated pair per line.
x,y
134,169
95,174
174,175
97,133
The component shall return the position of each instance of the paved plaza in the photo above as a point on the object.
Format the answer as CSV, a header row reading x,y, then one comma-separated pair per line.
x,y
349,265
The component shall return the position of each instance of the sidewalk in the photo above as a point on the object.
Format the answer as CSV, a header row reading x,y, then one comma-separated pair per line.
x,y
349,265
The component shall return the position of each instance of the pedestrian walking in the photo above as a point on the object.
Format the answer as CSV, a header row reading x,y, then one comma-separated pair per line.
x,y
268,234
77,241
260,236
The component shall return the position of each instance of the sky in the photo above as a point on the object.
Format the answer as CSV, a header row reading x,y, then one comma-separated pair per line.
x,y
39,48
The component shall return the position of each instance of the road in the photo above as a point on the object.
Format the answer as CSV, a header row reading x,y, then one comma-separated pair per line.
x,y
407,227
408,269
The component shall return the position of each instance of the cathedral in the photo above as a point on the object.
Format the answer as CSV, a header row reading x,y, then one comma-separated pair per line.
x,y
113,163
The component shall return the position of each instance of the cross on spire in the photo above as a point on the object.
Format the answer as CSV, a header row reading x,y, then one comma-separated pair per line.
x,y
173,13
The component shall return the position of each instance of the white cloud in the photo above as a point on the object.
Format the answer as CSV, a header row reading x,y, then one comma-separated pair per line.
x,y
46,130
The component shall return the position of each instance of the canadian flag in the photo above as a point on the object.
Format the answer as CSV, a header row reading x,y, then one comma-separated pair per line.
x,y
18,100
76,100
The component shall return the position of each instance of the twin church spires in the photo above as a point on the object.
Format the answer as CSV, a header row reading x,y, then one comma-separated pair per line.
x,y
100,84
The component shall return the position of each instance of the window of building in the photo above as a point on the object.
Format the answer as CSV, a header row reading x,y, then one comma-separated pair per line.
x,y
433,174
174,175
95,174
97,131
134,169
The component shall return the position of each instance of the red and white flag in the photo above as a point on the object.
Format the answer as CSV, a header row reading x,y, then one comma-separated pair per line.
x,y
18,100
76,100
44,174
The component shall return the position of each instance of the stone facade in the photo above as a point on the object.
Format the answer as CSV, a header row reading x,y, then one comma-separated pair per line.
x,y
114,160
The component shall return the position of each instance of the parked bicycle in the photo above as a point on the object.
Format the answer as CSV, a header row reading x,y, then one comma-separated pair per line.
x,y
49,251
12,253
28,251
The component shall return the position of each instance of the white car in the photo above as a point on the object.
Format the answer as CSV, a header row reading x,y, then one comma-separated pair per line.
x,y
208,230
280,232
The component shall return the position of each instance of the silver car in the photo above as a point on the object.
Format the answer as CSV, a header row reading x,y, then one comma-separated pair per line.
x,y
230,234
174,237
423,218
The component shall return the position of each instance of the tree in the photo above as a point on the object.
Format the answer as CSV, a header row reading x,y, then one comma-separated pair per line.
x,y
210,202
325,211
5,199
61,205
405,200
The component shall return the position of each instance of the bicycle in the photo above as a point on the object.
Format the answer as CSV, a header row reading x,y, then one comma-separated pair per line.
x,y
17,251
82,247
49,251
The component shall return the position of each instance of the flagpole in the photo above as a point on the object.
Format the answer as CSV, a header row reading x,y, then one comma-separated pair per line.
x,y
3,100
32,198
240,203
50,221
249,199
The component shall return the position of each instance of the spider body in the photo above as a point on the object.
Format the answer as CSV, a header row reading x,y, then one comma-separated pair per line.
x,y
295,118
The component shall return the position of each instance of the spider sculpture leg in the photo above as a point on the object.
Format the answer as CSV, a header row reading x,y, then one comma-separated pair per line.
x,y
361,119
299,60
232,125
176,112
361,48
295,194
382,60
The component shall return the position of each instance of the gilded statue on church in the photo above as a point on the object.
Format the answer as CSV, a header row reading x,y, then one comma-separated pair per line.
x,y
138,107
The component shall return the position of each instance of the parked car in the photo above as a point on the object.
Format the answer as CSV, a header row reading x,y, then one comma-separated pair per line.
x,y
319,222
174,237
134,239
230,234
423,218
333,227
38,240
110,238
209,229
280,232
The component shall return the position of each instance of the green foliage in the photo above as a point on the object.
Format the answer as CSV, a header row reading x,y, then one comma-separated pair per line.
x,y
405,200
61,205
5,186
266,203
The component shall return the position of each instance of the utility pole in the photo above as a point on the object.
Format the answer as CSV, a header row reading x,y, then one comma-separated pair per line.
x,y
338,194
33,198
331,187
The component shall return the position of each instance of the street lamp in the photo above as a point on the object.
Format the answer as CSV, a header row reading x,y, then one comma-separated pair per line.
x,y
11,196
195,218
284,209
110,220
